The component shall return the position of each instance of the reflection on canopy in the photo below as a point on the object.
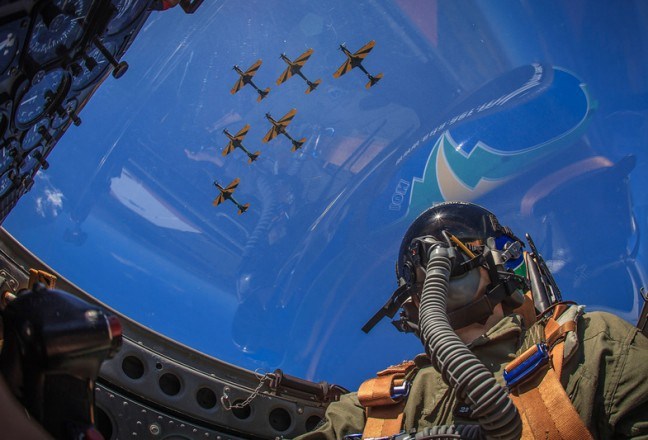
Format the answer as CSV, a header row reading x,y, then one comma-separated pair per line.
x,y
529,113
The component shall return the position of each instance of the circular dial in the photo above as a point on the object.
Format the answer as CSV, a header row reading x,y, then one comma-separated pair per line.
x,y
57,26
5,183
8,48
33,158
93,67
63,114
127,12
6,159
45,94
33,137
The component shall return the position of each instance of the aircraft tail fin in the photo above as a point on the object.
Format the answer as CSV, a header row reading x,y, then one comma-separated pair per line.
x,y
373,80
243,208
298,144
263,94
313,85
254,156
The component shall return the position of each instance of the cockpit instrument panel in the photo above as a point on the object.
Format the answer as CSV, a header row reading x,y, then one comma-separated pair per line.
x,y
53,56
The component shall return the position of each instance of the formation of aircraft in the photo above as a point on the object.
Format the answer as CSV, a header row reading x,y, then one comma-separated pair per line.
x,y
279,127
246,78
294,68
236,141
226,194
355,60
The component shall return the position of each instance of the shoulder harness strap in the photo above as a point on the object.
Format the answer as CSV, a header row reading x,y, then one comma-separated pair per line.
x,y
534,381
384,399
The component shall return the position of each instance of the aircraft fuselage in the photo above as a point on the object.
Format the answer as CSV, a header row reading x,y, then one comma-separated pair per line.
x,y
280,128
247,79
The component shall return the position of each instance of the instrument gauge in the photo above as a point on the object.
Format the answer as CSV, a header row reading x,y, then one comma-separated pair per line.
x,y
45,94
57,27
34,136
6,182
127,12
31,160
93,67
6,159
8,48
63,113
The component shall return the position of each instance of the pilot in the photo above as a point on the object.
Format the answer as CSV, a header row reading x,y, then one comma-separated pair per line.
x,y
504,357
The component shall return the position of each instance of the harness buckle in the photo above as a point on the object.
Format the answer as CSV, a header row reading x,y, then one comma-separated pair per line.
x,y
526,364
402,390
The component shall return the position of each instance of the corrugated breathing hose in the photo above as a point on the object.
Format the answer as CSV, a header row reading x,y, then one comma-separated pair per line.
x,y
459,367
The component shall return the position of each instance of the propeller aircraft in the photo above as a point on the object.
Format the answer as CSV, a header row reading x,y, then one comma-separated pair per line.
x,y
236,141
226,194
279,127
246,78
294,68
355,60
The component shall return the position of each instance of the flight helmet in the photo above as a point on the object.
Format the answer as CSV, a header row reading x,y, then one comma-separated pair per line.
x,y
477,240
482,242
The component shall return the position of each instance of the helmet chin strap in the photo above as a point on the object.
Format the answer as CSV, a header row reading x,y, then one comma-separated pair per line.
x,y
504,286
389,309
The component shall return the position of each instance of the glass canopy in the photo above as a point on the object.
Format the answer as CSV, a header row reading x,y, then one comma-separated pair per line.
x,y
536,110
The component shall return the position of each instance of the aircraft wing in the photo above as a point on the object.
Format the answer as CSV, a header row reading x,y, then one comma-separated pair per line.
x,y
232,186
344,68
364,50
241,134
253,69
285,75
218,200
228,149
238,86
287,118
301,60
270,135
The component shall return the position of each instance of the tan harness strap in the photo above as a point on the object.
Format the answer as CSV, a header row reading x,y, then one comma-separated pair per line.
x,y
383,421
557,352
529,402
562,412
384,413
543,404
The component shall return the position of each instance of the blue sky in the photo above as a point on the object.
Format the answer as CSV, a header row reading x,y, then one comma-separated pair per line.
x,y
125,210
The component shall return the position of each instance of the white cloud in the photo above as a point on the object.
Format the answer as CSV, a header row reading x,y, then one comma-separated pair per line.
x,y
50,204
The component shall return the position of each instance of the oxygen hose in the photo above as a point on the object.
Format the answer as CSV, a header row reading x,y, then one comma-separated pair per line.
x,y
459,367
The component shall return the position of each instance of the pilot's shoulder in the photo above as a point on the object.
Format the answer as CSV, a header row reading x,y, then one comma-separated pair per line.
x,y
608,385
610,327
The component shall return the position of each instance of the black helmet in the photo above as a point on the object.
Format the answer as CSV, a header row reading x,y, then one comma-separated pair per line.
x,y
466,221
473,226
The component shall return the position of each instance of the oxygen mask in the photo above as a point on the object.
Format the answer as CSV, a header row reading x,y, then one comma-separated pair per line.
x,y
486,265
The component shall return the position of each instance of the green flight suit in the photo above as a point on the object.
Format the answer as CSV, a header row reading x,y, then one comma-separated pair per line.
x,y
606,380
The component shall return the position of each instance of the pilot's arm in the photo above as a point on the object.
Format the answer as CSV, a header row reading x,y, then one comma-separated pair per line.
x,y
608,383
626,380
342,418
